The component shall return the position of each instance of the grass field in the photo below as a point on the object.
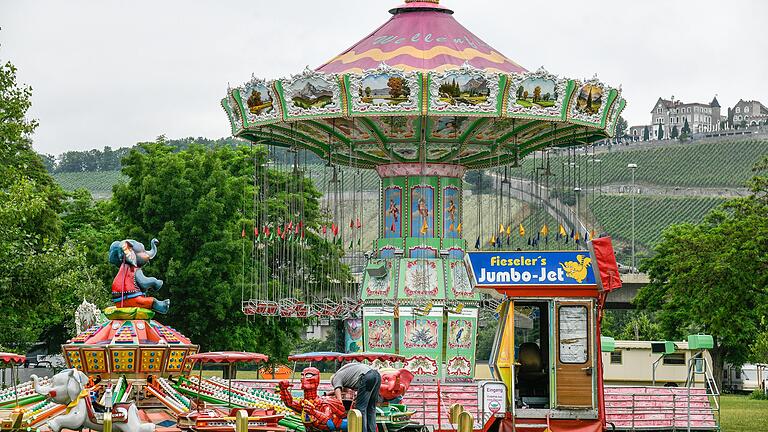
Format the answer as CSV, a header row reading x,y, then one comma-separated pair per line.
x,y
741,414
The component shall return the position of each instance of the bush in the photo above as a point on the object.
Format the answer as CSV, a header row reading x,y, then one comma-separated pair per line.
x,y
758,394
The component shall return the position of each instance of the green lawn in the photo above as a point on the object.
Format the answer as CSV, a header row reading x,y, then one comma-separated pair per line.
x,y
741,414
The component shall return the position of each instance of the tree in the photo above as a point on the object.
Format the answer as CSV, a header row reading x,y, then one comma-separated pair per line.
x,y
621,127
674,133
519,92
396,85
646,134
686,130
660,134
192,201
42,275
712,277
537,93
367,92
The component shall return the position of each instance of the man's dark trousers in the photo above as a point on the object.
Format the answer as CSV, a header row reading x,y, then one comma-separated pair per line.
x,y
367,394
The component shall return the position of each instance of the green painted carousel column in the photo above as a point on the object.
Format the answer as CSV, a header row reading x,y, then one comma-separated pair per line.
x,y
421,203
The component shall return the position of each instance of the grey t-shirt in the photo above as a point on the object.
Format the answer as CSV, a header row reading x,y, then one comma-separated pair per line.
x,y
349,375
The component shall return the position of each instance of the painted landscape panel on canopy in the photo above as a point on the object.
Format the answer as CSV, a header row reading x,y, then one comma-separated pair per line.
x,y
258,99
537,95
467,91
590,99
384,89
310,94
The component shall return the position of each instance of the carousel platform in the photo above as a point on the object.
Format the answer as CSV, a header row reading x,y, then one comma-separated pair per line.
x,y
660,408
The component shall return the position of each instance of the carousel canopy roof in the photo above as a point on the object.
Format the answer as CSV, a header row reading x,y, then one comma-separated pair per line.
x,y
421,36
422,88
228,357
10,358
130,332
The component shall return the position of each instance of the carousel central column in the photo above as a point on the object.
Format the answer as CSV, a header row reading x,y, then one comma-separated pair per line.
x,y
417,298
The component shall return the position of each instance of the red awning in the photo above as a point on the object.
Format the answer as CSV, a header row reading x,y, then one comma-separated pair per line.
x,y
228,357
371,356
12,358
315,356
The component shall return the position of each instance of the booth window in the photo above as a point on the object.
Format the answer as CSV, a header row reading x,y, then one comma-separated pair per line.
x,y
573,332
616,357
677,359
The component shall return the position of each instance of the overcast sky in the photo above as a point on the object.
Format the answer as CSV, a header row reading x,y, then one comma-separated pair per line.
x,y
110,72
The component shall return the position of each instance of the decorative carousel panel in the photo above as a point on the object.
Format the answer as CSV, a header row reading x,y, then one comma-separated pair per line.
x,y
457,282
384,91
460,343
404,152
395,128
421,278
353,130
467,91
539,95
380,288
590,103
310,94
378,329
450,128
421,340
259,102
613,118
234,114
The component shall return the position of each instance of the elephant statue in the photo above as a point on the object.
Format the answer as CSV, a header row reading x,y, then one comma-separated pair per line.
x,y
69,388
131,288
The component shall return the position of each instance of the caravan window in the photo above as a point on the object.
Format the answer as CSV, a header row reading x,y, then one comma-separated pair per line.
x,y
616,357
677,359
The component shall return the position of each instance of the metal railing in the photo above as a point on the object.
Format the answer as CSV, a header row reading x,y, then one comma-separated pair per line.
x,y
675,409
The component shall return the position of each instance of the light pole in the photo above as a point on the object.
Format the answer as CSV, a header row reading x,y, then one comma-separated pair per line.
x,y
632,167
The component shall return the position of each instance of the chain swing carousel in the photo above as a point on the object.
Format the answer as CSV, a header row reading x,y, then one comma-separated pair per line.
x,y
421,100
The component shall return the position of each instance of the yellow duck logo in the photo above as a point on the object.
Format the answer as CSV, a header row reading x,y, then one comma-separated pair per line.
x,y
577,270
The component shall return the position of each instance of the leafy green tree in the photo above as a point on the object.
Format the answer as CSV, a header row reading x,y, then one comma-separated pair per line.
x,y
485,339
712,277
660,133
646,134
686,130
193,201
42,276
621,127
674,133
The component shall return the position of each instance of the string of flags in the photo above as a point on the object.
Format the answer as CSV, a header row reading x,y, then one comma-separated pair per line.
x,y
504,235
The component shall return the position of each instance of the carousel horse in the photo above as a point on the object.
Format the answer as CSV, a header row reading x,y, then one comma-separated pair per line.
x,y
131,287
69,387
319,413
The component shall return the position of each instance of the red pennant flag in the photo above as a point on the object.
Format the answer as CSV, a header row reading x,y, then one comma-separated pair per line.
x,y
255,231
296,229
243,233
266,231
335,230
325,229
352,223
290,225
301,224
279,232
359,225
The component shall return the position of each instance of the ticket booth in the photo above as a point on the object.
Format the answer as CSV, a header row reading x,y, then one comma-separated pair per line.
x,y
547,346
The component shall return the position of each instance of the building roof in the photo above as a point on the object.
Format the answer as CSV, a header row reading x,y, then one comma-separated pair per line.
x,y
714,103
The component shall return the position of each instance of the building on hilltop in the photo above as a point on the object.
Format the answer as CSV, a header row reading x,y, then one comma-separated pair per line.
x,y
747,113
668,114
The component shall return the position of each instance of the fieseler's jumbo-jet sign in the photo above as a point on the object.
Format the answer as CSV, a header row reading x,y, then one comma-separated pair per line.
x,y
521,269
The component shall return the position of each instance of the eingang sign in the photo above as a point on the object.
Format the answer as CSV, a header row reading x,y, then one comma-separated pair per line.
x,y
529,269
